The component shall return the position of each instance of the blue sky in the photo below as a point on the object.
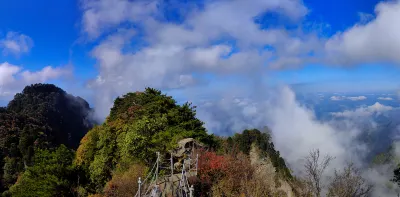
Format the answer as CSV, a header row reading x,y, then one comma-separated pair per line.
x,y
88,46
54,28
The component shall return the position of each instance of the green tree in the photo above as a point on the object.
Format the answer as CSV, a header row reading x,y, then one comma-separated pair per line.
x,y
139,125
51,175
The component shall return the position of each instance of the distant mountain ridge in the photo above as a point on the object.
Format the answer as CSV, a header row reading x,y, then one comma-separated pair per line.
x,y
41,116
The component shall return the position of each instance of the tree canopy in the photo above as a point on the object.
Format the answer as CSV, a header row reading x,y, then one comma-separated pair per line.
x,y
50,175
139,125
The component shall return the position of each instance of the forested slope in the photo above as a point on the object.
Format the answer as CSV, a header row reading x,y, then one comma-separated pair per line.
x,y
42,116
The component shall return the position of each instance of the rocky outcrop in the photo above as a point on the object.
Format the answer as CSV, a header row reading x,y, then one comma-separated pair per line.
x,y
186,149
266,173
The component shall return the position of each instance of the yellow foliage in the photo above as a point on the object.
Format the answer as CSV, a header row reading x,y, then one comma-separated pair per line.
x,y
95,195
86,148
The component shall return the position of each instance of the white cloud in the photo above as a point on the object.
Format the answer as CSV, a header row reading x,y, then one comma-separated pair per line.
x,y
13,78
43,75
7,72
175,50
368,111
352,98
337,98
15,44
357,98
375,41
195,43
385,98
101,15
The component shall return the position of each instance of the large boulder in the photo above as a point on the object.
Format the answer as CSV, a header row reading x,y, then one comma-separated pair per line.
x,y
185,150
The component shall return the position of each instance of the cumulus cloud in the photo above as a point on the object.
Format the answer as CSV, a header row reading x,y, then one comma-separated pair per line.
x,y
101,15
15,44
385,98
375,41
218,38
13,78
172,52
368,111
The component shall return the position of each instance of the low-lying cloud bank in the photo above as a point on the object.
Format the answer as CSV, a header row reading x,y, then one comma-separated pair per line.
x,y
352,98
295,128
385,98
296,131
364,112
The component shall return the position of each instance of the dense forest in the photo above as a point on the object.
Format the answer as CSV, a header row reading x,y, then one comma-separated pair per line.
x,y
42,117
51,147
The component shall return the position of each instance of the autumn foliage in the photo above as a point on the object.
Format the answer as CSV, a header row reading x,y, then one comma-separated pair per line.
x,y
124,184
212,167
224,175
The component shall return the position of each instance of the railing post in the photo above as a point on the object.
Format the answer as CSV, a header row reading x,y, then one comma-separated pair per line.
x,y
140,187
191,190
182,182
172,166
197,163
172,175
158,158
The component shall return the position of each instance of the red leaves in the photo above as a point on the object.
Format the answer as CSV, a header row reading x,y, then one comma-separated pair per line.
x,y
224,174
212,167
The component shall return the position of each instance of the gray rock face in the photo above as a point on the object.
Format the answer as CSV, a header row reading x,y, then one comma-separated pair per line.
x,y
185,150
156,191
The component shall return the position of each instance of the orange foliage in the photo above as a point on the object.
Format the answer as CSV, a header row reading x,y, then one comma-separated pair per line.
x,y
225,175
238,172
124,184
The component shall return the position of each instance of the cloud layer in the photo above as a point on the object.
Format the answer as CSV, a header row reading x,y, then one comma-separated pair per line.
x,y
372,42
385,98
217,38
363,112
352,98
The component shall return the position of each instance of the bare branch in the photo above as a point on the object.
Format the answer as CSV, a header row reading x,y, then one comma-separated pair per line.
x,y
349,183
314,168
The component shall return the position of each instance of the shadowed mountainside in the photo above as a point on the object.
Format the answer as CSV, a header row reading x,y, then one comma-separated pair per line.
x,y
41,116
